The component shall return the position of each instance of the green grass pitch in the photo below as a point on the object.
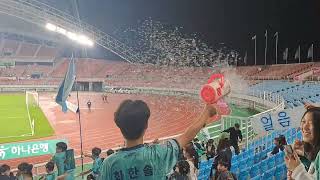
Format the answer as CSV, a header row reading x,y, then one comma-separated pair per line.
x,y
15,124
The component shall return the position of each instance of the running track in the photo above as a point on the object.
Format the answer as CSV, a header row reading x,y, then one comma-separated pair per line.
x,y
169,116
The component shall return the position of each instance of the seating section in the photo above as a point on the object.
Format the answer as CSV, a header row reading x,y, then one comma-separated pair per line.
x,y
254,163
294,94
15,48
27,50
274,72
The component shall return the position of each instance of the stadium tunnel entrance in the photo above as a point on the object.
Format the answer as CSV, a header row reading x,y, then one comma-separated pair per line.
x,y
85,85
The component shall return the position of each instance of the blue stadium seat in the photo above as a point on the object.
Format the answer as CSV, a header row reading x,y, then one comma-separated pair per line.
x,y
250,161
245,154
234,159
242,164
234,168
279,158
255,170
244,173
280,173
268,175
251,151
256,178
264,154
257,157
271,162
264,165
240,156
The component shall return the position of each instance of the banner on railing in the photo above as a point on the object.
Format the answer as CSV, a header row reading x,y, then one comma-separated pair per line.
x,y
28,149
278,120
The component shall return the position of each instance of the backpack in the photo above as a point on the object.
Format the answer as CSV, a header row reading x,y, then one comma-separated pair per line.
x,y
69,163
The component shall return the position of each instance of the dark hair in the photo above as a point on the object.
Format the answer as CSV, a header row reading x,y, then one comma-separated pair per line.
x,y
4,168
223,144
96,151
25,168
184,168
277,139
109,152
189,148
210,141
62,146
223,163
132,118
237,125
311,150
282,140
50,166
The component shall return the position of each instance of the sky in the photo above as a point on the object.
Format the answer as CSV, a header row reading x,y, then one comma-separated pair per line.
x,y
232,22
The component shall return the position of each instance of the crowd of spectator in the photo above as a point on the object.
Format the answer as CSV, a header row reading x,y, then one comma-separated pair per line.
x,y
176,158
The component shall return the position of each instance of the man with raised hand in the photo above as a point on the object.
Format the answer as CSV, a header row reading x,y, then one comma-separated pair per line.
x,y
144,161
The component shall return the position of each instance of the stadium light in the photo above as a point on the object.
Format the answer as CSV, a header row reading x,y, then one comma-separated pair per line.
x,y
61,31
72,36
51,27
80,38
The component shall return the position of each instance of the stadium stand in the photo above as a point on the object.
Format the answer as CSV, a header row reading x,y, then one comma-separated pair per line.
x,y
295,94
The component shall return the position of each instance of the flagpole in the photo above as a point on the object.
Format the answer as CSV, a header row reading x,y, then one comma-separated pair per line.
x,y
299,55
312,53
80,127
265,50
277,35
287,51
255,51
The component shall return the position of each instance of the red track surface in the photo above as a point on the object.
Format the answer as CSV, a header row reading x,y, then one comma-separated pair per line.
x,y
169,116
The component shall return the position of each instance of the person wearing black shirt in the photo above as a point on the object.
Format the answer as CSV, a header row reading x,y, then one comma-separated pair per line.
x,y
89,105
235,135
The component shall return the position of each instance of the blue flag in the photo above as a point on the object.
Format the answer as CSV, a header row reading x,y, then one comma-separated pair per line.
x,y
66,85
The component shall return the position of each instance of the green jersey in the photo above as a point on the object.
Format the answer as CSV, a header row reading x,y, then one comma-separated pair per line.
x,y
50,176
141,162
97,162
59,159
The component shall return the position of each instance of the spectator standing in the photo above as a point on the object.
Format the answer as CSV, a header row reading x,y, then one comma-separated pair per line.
x,y
210,149
235,136
140,161
97,162
89,105
60,159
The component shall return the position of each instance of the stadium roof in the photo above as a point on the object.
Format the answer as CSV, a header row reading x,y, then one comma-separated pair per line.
x,y
10,24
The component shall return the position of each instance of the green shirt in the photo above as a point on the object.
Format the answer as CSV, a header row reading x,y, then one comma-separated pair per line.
x,y
50,176
141,162
97,162
59,159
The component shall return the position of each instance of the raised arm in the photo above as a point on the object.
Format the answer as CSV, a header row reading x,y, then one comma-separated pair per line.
x,y
205,118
